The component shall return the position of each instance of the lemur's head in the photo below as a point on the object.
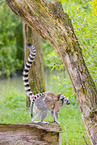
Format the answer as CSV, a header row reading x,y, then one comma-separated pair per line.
x,y
64,99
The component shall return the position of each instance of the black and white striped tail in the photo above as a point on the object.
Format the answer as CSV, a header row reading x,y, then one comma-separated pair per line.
x,y
25,76
26,69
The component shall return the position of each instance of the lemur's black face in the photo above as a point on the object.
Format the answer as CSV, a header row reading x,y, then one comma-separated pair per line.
x,y
66,101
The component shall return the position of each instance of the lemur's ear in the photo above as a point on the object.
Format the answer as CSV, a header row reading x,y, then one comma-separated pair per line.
x,y
61,96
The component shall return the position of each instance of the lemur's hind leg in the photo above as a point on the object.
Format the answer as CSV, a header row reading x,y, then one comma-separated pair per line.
x,y
43,116
37,115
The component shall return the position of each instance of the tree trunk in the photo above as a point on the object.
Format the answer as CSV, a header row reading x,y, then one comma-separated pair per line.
x,y
36,72
50,21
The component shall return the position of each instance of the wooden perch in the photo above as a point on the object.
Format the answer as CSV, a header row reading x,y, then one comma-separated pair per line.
x,y
29,134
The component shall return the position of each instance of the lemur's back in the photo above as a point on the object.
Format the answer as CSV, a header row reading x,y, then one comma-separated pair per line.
x,y
48,100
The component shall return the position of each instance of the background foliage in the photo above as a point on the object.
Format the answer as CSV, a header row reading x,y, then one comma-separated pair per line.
x,y
11,40
84,22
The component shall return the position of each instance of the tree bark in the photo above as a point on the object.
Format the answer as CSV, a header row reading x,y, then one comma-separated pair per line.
x,y
50,21
36,72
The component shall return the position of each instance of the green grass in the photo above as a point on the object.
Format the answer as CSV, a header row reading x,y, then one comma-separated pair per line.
x,y
72,126
13,109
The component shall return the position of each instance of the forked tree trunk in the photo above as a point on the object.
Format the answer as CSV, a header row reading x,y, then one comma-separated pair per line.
x,y
36,72
50,21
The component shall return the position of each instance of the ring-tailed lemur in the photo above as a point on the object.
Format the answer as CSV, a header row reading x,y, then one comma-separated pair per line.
x,y
49,101
43,101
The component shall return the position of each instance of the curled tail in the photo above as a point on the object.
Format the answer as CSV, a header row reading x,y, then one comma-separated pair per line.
x,y
25,76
